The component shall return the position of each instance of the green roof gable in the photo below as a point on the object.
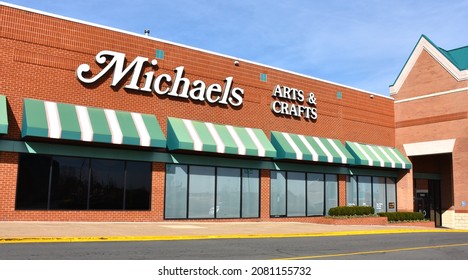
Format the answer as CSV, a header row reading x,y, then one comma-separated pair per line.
x,y
458,57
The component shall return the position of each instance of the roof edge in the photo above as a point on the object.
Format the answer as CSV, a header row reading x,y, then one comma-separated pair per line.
x,y
439,54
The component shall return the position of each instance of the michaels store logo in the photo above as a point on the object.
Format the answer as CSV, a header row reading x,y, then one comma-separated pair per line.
x,y
176,85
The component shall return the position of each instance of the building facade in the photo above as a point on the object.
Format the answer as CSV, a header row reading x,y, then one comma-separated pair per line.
x,y
431,125
98,124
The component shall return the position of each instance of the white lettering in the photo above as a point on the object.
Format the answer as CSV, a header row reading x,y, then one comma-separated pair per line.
x,y
176,86
227,90
236,97
117,61
292,109
179,81
213,89
197,92
277,91
158,81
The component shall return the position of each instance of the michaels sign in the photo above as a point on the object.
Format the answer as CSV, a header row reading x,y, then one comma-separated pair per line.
x,y
163,84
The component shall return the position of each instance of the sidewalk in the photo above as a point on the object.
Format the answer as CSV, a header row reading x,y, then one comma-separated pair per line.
x,y
16,232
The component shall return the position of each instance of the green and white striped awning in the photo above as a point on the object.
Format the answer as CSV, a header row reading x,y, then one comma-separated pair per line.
x,y
301,147
3,115
378,156
74,122
191,135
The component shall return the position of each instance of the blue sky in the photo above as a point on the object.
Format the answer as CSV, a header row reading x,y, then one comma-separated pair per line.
x,y
362,44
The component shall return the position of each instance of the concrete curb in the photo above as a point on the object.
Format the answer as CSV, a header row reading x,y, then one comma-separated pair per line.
x,y
14,240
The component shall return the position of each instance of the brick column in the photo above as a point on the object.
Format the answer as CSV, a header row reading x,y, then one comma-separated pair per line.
x,y
265,195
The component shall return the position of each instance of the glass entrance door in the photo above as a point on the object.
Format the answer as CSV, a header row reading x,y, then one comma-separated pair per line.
x,y
427,199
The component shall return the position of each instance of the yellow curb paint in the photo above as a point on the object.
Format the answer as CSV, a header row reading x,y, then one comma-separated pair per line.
x,y
374,252
200,237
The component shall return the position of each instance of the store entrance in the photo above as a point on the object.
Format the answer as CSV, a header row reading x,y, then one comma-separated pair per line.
x,y
427,199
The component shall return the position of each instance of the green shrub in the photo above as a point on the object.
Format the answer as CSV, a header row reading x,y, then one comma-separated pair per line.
x,y
351,211
402,216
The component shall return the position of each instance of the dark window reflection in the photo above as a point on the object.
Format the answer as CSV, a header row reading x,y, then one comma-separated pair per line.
x,y
69,188
33,182
138,186
69,183
107,184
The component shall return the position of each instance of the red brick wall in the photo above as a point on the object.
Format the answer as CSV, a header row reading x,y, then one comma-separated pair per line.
x,y
434,118
342,190
427,76
40,55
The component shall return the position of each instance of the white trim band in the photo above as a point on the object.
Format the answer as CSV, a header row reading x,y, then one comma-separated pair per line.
x,y
429,147
432,95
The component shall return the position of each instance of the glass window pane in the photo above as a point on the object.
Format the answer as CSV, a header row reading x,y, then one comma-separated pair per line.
x,y
351,191
228,193
176,191
107,184
32,189
250,193
278,193
331,194
378,189
296,194
138,186
201,192
364,190
391,195
70,178
315,194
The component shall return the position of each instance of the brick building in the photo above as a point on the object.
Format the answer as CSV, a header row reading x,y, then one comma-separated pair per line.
x,y
431,125
98,124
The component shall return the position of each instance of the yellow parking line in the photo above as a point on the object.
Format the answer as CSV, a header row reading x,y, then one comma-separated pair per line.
x,y
373,252
199,237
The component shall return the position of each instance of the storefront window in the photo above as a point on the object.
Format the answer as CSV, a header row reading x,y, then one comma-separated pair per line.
x,y
138,186
351,191
307,194
107,184
331,195
296,199
250,193
391,195
278,193
378,192
211,192
315,194
201,192
68,183
228,198
32,190
365,191
69,188
176,191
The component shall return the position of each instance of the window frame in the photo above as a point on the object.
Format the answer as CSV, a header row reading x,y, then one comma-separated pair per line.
x,y
51,179
215,216
387,184
306,176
